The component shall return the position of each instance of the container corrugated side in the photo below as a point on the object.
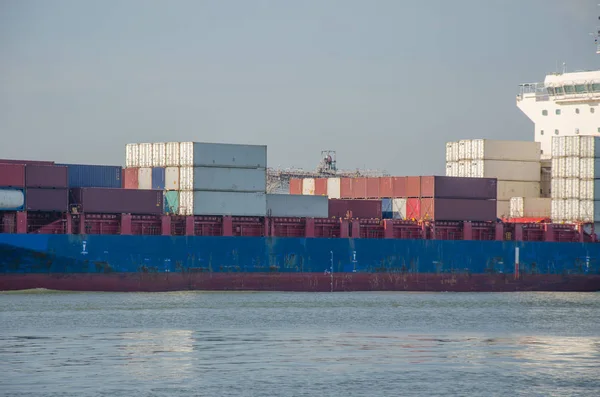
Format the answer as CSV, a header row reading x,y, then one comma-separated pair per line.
x,y
117,201
368,209
203,154
386,206
171,202
12,175
373,188
287,205
89,175
186,178
172,178
442,209
172,154
158,178
464,168
507,170
308,186
589,146
47,199
399,186
413,186
508,189
159,154
359,188
464,149
12,199
186,202
589,168
145,178
230,179
399,208
449,152
589,211
333,188
386,187
145,155
489,149
413,208
132,155
320,186
26,162
451,187
230,203
530,207
46,176
503,208
346,188
130,176
295,186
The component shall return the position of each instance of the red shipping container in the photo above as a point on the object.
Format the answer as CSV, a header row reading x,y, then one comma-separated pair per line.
x,y
12,175
295,186
413,186
346,188
413,208
320,186
455,187
26,162
386,187
366,209
399,186
47,200
441,209
50,176
130,179
373,188
359,188
118,201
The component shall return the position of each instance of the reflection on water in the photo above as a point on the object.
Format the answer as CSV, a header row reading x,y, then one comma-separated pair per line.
x,y
299,344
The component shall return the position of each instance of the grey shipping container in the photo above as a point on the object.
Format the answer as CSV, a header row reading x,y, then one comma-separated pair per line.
x,y
229,203
455,187
294,205
87,175
47,200
230,179
200,154
117,201
51,176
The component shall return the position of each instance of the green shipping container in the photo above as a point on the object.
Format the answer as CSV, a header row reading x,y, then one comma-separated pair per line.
x,y
171,202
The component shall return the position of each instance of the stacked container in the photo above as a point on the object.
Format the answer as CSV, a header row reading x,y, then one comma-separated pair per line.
x,y
575,174
515,164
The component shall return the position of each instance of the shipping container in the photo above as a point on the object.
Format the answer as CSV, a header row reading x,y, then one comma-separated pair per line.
x,y
452,169
171,202
117,201
530,207
508,189
502,209
386,208
386,186
186,202
158,178
506,170
12,175
413,186
47,200
442,209
186,179
373,188
589,168
488,149
449,154
172,154
464,149
359,188
295,186
464,168
558,209
320,186
399,208
455,150
366,209
572,210
172,178
159,154
413,208
132,155
88,175
26,162
346,188
571,189
308,186
287,205
589,146
451,187
145,155
333,188
46,176
130,176
145,178
557,147
230,179
399,186
572,147
12,199
201,154
572,167
229,203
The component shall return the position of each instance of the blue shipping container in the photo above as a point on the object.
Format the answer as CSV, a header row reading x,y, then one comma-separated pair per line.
x,y
387,215
12,199
386,205
86,175
158,178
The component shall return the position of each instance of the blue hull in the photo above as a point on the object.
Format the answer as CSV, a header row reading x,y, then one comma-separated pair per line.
x,y
156,263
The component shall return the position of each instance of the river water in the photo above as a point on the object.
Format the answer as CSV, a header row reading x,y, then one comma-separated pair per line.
x,y
299,344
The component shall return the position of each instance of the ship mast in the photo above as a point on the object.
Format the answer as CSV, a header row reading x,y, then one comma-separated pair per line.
x,y
596,35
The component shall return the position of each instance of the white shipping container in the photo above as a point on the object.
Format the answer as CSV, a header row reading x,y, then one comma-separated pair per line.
x,y
508,189
333,188
399,208
464,168
172,154
186,178
558,210
572,147
507,170
530,207
555,166
145,154
132,155
449,156
572,167
488,149
502,209
159,154
455,149
556,187
454,168
589,146
589,168
571,188
291,205
230,179
586,211
571,210
557,147
145,178
449,169
172,178
186,202
308,186
230,203
464,149
202,154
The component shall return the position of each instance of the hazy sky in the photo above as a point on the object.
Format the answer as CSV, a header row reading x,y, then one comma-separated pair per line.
x,y
385,83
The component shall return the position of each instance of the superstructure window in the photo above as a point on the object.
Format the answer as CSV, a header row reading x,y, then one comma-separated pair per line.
x,y
542,132
569,89
577,111
580,88
550,91
555,132
592,110
559,91
544,112
557,111
596,87
577,131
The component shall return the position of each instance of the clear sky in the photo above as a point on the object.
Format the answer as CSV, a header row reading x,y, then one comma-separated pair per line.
x,y
385,83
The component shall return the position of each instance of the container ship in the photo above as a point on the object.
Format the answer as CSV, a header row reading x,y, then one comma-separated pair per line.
x,y
505,216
